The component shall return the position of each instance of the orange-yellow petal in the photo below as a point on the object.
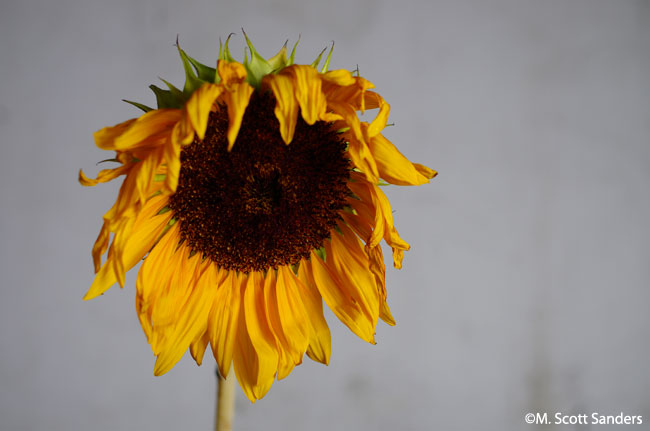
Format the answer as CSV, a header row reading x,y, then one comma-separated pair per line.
x,y
308,92
260,335
105,138
320,343
199,105
236,101
223,321
342,305
146,129
191,320
286,108
394,167
148,227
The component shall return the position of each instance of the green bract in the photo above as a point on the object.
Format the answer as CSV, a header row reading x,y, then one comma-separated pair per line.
x,y
197,73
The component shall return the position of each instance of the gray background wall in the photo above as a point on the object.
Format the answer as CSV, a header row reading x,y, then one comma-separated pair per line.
x,y
527,285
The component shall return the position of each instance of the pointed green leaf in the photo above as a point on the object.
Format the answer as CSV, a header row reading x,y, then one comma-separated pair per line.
x,y
279,60
165,98
145,108
315,63
327,61
206,73
293,53
257,67
224,53
192,81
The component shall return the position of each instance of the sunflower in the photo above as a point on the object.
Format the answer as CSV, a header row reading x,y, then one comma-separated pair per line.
x,y
252,194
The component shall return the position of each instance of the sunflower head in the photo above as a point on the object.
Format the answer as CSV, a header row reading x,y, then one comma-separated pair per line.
x,y
253,196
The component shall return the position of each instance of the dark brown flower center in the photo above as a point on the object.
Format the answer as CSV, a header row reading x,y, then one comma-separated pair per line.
x,y
265,203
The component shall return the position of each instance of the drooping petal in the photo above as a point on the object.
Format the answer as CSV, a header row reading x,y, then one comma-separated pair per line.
x,y
147,129
223,321
285,359
308,91
105,138
146,230
104,175
394,167
338,300
345,256
293,315
154,273
199,105
340,77
236,101
231,73
320,344
191,320
379,122
286,108
198,346
259,335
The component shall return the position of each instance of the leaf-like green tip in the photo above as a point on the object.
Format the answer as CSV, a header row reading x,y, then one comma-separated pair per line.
x,y
257,67
279,60
224,51
326,65
315,63
192,81
165,98
293,53
145,108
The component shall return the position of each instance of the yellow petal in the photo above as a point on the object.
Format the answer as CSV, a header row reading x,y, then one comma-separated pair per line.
x,y
320,344
342,305
285,361
309,94
223,321
105,138
199,105
191,321
237,101
198,346
346,256
154,273
147,227
147,129
293,316
286,108
104,175
245,360
340,77
378,124
101,245
260,335
394,167
230,73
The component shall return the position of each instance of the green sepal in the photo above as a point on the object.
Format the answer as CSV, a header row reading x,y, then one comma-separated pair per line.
x,y
192,81
326,66
279,60
315,63
165,98
159,177
206,73
293,53
224,52
145,108
257,67
108,160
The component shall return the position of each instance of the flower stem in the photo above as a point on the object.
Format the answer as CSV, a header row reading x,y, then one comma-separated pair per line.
x,y
225,402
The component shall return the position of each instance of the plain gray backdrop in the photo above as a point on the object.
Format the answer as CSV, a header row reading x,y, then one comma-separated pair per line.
x,y
527,285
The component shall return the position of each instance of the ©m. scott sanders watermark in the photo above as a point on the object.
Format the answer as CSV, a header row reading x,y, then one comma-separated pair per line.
x,y
595,418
